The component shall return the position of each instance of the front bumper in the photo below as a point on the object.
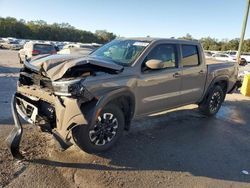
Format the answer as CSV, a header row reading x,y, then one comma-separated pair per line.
x,y
30,111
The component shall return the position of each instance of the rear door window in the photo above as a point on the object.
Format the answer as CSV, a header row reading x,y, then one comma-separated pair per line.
x,y
44,48
190,55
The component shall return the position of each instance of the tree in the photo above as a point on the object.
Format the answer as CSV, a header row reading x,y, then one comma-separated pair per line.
x,y
104,36
246,46
41,30
209,43
233,44
187,37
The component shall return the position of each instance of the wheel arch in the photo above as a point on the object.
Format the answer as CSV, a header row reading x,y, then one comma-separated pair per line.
x,y
222,81
123,98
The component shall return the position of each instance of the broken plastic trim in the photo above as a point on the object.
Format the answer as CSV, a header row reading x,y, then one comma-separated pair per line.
x,y
14,138
30,66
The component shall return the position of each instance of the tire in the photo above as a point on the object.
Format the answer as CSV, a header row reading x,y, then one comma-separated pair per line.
x,y
211,105
87,136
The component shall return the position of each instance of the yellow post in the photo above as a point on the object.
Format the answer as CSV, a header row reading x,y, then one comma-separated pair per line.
x,y
245,88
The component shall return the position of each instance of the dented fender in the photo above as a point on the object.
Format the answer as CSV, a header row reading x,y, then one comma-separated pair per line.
x,y
108,97
68,114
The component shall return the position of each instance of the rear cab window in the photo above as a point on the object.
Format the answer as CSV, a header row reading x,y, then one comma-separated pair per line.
x,y
190,55
44,48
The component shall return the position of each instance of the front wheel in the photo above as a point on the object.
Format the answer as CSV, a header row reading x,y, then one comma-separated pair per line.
x,y
103,134
211,105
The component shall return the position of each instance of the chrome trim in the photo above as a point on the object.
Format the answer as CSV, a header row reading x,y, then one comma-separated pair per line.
x,y
62,94
66,81
32,119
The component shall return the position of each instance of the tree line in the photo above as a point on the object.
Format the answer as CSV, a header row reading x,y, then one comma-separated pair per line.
x,y
41,30
209,43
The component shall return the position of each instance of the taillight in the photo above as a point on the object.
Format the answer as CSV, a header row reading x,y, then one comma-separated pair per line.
x,y
35,52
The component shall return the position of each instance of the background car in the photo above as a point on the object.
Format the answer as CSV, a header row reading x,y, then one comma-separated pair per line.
x,y
244,55
208,54
79,49
31,49
224,57
12,45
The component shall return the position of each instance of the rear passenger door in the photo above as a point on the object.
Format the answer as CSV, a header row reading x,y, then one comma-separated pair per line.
x,y
193,73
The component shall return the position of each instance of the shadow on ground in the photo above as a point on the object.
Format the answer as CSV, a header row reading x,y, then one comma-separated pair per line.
x,y
6,70
182,141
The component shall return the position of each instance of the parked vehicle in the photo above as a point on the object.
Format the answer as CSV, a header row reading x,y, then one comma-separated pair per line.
x,y
1,42
32,49
208,54
79,49
224,57
89,101
12,45
243,55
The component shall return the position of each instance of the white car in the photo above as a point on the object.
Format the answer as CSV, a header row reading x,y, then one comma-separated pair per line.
x,y
224,57
11,45
244,55
31,49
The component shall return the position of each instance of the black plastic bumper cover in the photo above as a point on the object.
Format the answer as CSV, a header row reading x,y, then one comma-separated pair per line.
x,y
14,138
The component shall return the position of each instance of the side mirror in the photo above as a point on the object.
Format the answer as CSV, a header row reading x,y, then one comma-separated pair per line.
x,y
155,64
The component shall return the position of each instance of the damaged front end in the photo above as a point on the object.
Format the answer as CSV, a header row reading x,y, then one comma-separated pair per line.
x,y
53,105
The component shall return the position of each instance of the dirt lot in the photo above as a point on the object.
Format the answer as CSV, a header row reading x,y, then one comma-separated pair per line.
x,y
175,149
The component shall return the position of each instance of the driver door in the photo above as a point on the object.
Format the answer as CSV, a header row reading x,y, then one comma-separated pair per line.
x,y
159,89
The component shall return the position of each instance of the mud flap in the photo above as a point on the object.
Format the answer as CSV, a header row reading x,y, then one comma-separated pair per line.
x,y
237,85
14,138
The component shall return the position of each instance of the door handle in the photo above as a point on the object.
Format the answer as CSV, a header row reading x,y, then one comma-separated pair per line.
x,y
176,75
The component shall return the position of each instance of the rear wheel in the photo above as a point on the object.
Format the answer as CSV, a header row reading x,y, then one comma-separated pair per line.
x,y
103,134
211,105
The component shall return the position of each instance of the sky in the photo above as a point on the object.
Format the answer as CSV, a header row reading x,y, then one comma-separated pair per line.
x,y
221,19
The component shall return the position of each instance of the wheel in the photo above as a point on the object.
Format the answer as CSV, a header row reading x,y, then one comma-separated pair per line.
x,y
103,134
211,105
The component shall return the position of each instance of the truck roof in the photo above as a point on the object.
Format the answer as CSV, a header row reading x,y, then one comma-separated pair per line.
x,y
151,39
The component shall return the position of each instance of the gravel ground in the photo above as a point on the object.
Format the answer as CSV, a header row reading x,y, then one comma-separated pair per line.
x,y
178,148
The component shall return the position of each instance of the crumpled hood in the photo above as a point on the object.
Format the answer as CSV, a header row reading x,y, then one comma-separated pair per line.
x,y
55,66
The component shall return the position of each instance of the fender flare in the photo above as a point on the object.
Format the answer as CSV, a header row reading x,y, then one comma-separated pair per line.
x,y
110,95
212,83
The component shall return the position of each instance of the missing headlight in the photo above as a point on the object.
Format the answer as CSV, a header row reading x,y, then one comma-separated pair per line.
x,y
78,90
73,88
62,87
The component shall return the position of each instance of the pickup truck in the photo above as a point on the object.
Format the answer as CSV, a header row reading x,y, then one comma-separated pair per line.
x,y
90,100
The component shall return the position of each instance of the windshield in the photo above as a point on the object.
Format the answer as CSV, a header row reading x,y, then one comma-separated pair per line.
x,y
122,52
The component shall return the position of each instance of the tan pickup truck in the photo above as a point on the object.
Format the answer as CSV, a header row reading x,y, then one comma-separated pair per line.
x,y
89,101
